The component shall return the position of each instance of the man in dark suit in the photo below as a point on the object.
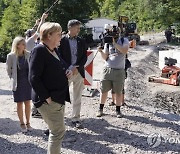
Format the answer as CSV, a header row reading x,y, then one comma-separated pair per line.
x,y
73,50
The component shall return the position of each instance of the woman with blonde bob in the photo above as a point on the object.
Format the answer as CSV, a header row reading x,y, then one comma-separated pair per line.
x,y
17,65
49,79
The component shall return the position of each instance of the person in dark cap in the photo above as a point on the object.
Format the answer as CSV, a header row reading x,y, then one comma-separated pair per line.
x,y
73,50
30,32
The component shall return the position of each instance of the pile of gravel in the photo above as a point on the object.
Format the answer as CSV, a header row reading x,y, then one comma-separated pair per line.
x,y
140,91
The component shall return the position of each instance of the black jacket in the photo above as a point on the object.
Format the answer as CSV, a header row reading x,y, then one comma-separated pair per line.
x,y
47,77
65,52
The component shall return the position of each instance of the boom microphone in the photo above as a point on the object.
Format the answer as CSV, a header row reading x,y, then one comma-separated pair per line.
x,y
52,6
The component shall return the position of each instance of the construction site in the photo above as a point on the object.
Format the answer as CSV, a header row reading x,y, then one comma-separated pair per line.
x,y
140,39
151,122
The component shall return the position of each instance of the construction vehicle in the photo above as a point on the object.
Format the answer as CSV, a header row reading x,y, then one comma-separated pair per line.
x,y
129,29
170,73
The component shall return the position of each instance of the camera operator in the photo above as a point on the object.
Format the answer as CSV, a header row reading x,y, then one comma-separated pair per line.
x,y
107,28
113,77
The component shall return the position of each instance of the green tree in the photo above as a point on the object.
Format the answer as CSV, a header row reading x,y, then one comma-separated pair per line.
x,y
73,9
16,16
149,14
10,27
29,13
110,8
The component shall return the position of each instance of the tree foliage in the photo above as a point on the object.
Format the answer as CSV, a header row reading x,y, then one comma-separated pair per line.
x,y
16,16
149,14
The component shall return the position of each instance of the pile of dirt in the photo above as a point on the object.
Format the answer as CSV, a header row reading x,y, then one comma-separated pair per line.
x,y
140,90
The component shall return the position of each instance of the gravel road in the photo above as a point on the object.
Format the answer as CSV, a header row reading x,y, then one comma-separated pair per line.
x,y
151,122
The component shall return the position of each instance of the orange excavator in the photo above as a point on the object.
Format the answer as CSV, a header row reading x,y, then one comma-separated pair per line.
x,y
170,73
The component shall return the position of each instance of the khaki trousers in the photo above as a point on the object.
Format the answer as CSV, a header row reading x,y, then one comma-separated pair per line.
x,y
53,115
78,86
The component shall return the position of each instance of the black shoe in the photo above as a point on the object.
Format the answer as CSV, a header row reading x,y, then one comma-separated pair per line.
x,y
119,114
78,124
124,104
46,132
36,115
112,104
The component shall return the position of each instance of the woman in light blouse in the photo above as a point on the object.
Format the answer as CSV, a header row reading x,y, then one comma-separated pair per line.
x,y
17,65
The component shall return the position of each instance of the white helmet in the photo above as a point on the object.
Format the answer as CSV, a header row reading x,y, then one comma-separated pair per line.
x,y
107,26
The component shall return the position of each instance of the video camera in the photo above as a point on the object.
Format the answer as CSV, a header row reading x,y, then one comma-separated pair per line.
x,y
110,34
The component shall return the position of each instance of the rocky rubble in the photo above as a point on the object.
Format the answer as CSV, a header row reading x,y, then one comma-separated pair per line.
x,y
149,125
